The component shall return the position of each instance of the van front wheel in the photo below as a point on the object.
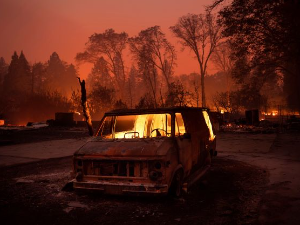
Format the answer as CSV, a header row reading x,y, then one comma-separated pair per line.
x,y
176,186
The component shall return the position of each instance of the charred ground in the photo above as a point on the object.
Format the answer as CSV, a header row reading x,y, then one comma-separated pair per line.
x,y
27,135
31,194
253,180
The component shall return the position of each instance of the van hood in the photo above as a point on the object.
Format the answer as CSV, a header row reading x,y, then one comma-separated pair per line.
x,y
126,147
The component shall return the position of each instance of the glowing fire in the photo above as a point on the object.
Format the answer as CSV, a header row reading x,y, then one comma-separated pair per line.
x,y
143,126
272,113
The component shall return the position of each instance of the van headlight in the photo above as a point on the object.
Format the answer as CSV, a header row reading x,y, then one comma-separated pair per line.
x,y
154,175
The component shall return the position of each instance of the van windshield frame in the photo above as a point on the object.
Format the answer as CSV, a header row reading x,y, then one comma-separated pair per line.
x,y
136,126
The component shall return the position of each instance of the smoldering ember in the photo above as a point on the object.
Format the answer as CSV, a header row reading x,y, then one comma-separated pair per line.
x,y
150,112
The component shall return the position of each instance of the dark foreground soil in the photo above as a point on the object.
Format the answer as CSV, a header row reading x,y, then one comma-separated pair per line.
x,y
31,194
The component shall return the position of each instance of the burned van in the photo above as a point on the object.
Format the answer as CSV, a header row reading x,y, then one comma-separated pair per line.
x,y
151,151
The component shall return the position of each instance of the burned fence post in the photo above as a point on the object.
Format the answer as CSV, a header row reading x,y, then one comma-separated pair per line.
x,y
86,112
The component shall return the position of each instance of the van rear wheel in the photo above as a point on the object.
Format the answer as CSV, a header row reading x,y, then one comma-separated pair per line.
x,y
176,186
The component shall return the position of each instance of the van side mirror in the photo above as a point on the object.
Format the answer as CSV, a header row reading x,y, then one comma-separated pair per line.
x,y
187,136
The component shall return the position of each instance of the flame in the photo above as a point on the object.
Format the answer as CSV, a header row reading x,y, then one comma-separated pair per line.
x,y
272,113
140,124
143,125
209,125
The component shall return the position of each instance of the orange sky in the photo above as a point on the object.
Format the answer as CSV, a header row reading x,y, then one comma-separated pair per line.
x,y
40,27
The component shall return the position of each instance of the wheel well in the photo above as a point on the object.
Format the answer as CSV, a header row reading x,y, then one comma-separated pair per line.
x,y
175,187
179,168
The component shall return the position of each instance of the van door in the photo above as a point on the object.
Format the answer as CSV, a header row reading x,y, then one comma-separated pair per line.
x,y
196,126
184,144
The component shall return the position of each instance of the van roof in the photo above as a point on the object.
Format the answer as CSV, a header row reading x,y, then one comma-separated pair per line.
x,y
152,111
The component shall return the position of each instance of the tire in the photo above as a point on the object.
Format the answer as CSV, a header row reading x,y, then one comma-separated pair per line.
x,y
176,186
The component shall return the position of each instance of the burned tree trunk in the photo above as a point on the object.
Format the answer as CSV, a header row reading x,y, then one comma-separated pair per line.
x,y
86,112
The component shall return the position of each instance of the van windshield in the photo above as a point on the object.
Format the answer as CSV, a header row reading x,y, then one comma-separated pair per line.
x,y
136,126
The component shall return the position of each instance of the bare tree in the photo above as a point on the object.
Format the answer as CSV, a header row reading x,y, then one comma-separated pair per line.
x,y
222,60
178,95
132,85
236,106
217,4
152,46
201,34
149,74
196,90
109,45
220,101
85,108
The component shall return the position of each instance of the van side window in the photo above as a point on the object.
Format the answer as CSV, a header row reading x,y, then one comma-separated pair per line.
x,y
179,125
209,125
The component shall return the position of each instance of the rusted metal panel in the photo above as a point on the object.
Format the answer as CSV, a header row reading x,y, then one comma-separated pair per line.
x,y
135,148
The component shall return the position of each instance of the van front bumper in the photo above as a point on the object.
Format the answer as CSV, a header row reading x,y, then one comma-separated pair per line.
x,y
121,188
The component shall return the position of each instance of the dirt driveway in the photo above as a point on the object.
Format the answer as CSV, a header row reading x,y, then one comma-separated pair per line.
x,y
279,155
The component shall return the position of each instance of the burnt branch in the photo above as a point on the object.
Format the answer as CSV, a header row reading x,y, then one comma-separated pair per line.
x,y
85,109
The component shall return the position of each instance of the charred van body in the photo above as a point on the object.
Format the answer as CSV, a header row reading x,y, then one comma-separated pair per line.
x,y
152,151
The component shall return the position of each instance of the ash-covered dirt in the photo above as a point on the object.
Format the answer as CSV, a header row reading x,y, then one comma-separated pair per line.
x,y
31,194
25,135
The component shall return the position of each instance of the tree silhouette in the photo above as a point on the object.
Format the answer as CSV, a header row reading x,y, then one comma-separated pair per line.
x,y
3,72
109,45
222,60
101,99
151,46
17,80
201,34
267,34
85,108
148,73
38,77
60,76
178,96
100,75
133,88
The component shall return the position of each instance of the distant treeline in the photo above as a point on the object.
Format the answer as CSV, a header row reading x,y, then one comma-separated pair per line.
x,y
254,45
34,92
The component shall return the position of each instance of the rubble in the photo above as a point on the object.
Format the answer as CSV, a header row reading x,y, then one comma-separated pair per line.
x,y
232,127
